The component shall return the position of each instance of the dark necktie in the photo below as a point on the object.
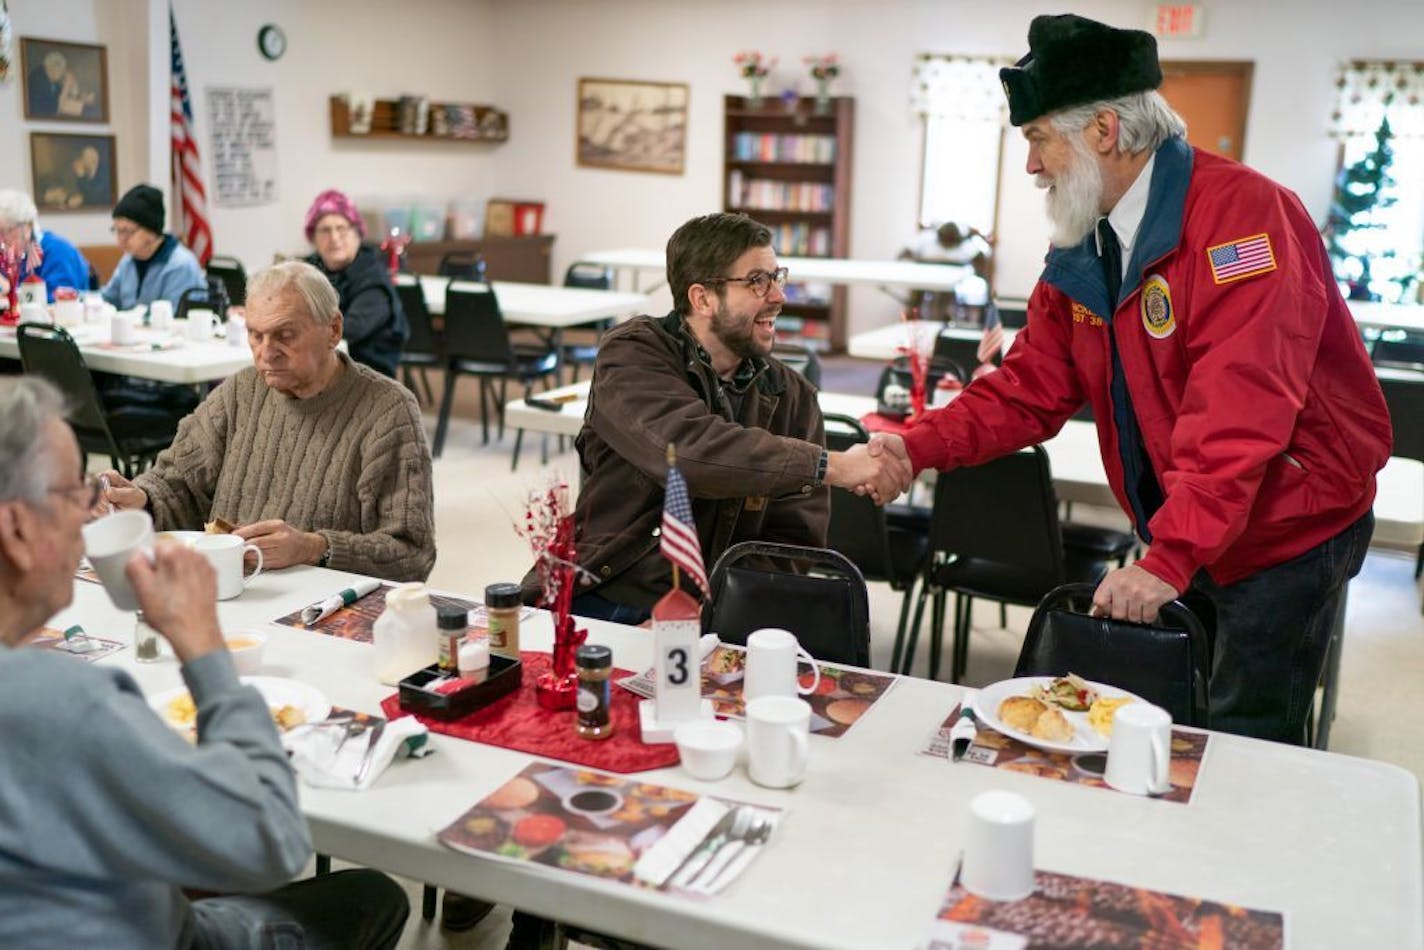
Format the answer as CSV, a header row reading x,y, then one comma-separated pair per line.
x,y
1144,493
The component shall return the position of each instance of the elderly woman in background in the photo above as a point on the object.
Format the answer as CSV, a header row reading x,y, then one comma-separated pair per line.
x,y
316,459
375,326
155,265
58,262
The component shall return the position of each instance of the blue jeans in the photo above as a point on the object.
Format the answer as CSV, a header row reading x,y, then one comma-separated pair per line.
x,y
601,608
347,910
1273,632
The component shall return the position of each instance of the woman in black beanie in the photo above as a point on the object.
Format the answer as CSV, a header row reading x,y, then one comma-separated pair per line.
x,y
155,265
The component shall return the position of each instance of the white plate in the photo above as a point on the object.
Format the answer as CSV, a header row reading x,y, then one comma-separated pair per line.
x,y
1085,739
277,691
182,537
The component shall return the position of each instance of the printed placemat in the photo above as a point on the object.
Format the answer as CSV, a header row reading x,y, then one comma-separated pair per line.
x,y
844,694
356,621
85,646
1077,913
607,826
998,751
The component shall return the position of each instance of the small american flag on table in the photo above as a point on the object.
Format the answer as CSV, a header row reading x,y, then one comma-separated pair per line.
x,y
1244,257
680,543
991,344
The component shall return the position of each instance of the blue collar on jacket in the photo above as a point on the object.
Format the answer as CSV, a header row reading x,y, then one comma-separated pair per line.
x,y
1077,270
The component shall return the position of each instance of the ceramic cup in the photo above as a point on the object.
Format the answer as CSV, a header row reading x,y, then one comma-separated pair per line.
x,y
225,553
123,328
109,542
771,665
1139,750
998,849
708,747
778,740
160,315
200,325
236,331
32,312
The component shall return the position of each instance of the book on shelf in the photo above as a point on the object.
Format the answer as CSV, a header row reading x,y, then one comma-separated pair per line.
x,y
771,147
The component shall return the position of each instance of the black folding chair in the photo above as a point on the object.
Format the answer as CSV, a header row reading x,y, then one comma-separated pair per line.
x,y
1167,663
424,349
233,277
816,593
584,351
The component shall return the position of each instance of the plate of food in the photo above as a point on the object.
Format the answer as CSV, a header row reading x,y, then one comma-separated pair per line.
x,y
292,703
1058,713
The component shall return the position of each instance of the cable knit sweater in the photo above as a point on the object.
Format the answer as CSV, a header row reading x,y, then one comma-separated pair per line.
x,y
350,463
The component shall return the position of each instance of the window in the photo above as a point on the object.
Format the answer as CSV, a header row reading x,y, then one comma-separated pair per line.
x,y
963,107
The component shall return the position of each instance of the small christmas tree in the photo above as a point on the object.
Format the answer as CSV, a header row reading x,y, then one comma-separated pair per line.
x,y
1361,190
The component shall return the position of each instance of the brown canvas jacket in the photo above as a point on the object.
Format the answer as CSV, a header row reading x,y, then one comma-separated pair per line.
x,y
751,476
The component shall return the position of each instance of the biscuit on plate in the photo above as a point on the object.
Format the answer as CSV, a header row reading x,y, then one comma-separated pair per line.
x,y
1053,726
1020,712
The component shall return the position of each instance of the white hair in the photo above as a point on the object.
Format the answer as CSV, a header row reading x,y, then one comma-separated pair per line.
x,y
311,285
1145,120
27,404
16,207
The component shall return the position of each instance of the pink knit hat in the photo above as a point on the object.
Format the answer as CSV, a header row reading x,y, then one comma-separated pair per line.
x,y
332,201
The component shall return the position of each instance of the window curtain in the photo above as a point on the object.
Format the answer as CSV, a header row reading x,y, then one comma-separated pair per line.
x,y
1368,92
965,88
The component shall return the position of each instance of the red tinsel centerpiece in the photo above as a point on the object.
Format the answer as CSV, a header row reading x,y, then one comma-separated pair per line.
x,y
549,528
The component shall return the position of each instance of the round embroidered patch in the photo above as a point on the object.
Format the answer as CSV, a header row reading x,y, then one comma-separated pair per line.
x,y
1157,317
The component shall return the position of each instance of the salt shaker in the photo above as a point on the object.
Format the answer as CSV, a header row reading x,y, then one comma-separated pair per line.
x,y
145,639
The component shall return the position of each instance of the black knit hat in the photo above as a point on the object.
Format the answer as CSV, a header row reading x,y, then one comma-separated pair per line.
x,y
143,205
1072,61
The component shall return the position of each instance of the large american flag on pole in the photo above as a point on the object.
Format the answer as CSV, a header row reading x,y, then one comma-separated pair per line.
x,y
679,541
991,344
193,227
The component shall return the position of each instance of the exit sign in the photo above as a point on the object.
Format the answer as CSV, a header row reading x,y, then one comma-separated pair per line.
x,y
1178,20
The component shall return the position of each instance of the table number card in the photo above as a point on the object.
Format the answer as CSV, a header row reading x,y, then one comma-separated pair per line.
x,y
677,668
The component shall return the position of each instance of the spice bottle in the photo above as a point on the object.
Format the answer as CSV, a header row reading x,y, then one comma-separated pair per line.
x,y
451,624
503,606
595,665
145,639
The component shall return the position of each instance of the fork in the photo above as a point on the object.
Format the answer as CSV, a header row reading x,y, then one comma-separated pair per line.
x,y
754,829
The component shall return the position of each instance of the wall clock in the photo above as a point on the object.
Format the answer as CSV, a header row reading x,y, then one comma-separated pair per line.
x,y
271,41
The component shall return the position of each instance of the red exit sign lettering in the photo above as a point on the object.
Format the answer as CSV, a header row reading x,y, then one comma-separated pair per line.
x,y
1178,20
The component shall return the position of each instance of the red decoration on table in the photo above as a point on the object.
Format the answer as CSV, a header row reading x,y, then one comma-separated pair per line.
x,y
914,351
10,257
394,249
519,722
549,528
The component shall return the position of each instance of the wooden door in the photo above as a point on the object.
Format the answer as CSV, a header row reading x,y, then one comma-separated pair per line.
x,y
1213,98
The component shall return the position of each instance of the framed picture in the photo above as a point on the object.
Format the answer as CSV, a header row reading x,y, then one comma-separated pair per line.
x,y
73,172
631,125
65,81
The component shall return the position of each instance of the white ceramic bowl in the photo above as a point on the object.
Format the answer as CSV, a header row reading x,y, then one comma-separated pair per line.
x,y
708,747
246,647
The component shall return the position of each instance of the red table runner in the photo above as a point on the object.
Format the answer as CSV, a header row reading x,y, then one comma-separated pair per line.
x,y
518,722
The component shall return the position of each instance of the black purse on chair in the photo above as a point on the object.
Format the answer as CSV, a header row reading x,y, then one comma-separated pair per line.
x,y
1166,663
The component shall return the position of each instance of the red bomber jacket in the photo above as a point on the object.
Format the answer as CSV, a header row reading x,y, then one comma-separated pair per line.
x,y
1257,403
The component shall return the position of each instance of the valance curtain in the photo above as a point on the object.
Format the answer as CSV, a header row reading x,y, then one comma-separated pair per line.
x,y
947,86
1368,92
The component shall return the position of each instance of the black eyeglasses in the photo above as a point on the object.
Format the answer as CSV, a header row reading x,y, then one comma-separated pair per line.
x,y
92,488
758,281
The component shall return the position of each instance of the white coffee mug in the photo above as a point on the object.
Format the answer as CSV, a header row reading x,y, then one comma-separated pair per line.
x,y
778,740
32,312
123,328
69,313
771,665
160,315
236,331
200,325
109,542
1139,752
225,553
998,849
93,306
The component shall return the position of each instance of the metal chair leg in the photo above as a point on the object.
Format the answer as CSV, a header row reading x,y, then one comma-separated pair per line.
x,y
903,663
323,864
442,423
427,901
518,441
937,631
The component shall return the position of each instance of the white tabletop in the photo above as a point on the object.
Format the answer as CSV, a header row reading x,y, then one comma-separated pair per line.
x,y
872,836
831,270
886,343
187,362
1385,316
540,305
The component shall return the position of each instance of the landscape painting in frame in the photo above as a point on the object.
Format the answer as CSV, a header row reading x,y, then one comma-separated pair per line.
x,y
632,125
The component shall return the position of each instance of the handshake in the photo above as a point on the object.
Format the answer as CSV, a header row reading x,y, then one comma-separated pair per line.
x,y
879,468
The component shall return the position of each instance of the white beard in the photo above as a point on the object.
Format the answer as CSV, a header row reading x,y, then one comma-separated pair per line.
x,y
1074,199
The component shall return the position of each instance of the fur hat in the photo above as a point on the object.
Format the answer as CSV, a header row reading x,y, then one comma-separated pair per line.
x,y
1072,61
332,201
143,205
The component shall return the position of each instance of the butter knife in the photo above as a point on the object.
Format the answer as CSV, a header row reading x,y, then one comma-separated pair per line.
x,y
701,855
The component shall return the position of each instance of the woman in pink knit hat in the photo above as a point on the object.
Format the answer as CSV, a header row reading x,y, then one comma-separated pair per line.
x,y
374,324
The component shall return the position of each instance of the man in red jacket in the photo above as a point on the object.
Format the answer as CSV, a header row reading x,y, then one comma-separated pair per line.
x,y
1190,301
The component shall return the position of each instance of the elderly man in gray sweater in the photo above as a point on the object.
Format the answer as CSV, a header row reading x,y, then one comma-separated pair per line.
x,y
106,812
315,459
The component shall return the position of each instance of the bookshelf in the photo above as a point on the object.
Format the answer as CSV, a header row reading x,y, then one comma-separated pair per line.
x,y
788,165
446,121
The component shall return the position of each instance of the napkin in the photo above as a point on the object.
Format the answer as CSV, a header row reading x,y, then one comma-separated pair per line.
x,y
323,760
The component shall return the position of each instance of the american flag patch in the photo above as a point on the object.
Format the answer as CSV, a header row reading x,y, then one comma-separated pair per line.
x,y
1243,257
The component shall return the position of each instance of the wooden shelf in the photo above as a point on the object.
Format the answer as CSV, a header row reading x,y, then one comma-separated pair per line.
x,y
774,130
492,124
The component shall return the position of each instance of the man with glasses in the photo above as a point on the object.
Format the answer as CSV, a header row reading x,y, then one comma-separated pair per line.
x,y
155,265
107,813
747,429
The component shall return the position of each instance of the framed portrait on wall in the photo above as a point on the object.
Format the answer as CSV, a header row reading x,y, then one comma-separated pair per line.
x,y
631,125
64,81
73,172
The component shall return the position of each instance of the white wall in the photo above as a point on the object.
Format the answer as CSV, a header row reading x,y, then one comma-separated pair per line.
x,y
526,57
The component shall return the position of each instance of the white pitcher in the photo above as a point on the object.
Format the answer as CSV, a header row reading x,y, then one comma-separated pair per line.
x,y
405,635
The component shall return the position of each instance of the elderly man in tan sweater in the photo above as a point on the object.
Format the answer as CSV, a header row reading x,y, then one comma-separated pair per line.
x,y
316,459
